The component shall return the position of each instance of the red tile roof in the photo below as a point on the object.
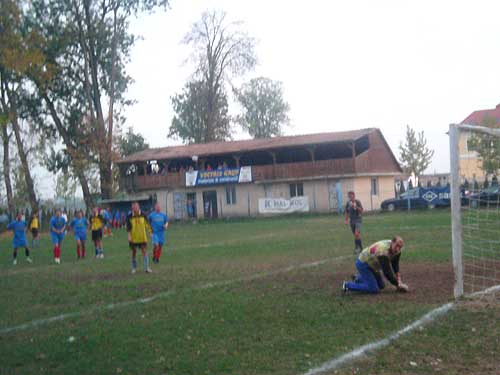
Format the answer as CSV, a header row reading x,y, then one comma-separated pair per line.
x,y
218,148
478,117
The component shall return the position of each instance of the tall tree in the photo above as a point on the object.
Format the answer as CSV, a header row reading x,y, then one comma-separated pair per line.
x,y
265,111
191,108
415,156
88,44
131,142
221,51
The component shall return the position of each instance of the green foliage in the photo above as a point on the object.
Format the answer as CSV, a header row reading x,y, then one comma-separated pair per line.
x,y
265,111
415,156
191,109
81,89
131,142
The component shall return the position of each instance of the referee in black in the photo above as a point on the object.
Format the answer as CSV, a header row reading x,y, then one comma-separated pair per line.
x,y
353,212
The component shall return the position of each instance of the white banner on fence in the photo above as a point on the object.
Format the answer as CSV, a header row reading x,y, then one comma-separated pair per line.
x,y
282,205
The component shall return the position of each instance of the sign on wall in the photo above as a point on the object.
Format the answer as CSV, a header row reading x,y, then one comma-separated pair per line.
x,y
219,176
282,205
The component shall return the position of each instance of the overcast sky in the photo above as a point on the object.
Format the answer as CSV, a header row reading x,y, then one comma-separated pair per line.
x,y
344,64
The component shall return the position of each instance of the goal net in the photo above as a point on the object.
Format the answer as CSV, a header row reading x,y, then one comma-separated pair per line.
x,y
475,201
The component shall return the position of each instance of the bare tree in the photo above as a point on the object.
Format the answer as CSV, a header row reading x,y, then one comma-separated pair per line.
x,y
221,51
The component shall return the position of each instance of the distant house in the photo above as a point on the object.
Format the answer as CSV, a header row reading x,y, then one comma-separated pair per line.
x,y
260,176
470,162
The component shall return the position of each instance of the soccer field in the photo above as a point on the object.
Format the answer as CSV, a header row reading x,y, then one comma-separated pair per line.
x,y
239,297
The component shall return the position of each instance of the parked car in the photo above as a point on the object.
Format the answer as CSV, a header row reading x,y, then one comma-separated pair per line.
x,y
419,198
486,197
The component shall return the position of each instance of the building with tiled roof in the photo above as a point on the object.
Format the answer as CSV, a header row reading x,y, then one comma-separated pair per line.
x,y
254,177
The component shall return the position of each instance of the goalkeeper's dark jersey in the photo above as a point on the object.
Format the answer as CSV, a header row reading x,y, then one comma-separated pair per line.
x,y
354,215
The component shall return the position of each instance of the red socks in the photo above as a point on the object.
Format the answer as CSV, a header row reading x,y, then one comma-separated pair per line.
x,y
78,251
57,251
83,251
157,252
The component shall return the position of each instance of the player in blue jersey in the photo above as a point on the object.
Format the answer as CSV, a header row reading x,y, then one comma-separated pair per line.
x,y
79,225
57,229
19,226
107,226
159,223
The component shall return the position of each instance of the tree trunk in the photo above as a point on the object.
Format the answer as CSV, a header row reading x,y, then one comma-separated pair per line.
x,y
6,170
22,154
87,197
71,150
6,150
105,174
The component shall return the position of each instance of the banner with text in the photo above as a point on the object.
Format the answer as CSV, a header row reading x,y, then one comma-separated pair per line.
x,y
219,176
282,205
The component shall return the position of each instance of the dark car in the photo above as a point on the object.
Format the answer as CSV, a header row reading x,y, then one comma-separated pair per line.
x,y
419,198
487,197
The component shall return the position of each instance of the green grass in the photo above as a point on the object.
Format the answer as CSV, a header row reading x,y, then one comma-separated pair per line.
x,y
283,323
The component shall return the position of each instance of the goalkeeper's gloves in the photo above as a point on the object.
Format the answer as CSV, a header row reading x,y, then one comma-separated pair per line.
x,y
402,287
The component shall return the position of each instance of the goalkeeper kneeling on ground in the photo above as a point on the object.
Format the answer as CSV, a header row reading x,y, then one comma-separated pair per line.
x,y
381,256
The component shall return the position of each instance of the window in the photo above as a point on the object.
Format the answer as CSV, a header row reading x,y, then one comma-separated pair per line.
x,y
268,190
374,186
471,144
296,190
231,195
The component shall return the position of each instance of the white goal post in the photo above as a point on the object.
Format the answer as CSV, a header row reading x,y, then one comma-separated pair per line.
x,y
475,227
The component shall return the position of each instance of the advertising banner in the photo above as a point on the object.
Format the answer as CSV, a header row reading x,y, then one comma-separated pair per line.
x,y
219,176
282,205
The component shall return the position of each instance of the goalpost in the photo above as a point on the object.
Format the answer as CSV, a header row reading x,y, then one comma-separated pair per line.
x,y
475,210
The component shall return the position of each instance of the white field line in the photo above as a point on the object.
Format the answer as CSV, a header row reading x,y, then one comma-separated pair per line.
x,y
492,289
355,354
368,348
112,306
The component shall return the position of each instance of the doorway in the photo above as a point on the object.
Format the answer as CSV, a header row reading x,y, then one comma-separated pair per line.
x,y
210,204
191,205
335,196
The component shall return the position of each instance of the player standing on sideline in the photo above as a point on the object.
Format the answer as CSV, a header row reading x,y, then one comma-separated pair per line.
x,y
19,227
35,230
107,224
137,225
353,212
159,223
97,223
79,225
116,219
57,230
383,255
